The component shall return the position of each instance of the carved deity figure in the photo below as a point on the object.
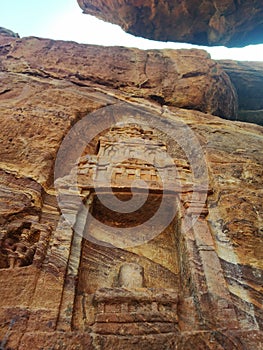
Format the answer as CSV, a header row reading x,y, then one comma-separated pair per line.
x,y
19,253
131,276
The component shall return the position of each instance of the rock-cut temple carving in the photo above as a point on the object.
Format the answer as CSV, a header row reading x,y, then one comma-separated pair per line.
x,y
159,278
19,244
125,154
131,276
140,282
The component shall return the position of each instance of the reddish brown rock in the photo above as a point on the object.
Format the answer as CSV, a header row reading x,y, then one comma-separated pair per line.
x,y
176,289
182,78
7,32
247,78
210,22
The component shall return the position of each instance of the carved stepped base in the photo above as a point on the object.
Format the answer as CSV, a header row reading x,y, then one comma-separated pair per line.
x,y
138,312
216,340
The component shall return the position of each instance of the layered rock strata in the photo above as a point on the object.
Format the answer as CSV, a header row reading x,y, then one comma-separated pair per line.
x,y
182,78
68,281
7,32
209,22
247,78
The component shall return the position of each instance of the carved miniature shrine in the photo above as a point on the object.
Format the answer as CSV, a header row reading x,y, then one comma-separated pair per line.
x,y
130,210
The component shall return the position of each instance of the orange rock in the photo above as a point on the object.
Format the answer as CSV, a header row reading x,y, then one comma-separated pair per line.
x,y
202,276
212,22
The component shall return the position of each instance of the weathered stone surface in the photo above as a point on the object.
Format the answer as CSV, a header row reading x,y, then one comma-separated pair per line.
x,y
198,288
210,22
202,341
56,340
247,78
7,32
182,78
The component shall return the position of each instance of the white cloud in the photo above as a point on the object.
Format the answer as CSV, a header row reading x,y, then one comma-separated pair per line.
x,y
73,25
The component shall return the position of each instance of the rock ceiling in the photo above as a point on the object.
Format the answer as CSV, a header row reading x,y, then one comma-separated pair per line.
x,y
207,22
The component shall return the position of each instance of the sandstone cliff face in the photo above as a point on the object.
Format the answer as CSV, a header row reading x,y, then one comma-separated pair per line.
x,y
208,22
197,287
183,78
247,78
7,32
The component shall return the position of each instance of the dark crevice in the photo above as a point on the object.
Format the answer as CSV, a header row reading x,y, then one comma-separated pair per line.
x,y
193,74
158,99
78,83
5,49
38,74
5,91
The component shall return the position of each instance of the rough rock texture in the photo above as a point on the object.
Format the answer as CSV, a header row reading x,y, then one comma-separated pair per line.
x,y
8,32
207,22
247,78
182,78
190,288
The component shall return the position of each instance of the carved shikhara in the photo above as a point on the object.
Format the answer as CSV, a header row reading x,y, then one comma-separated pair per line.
x,y
55,301
131,275
122,289
166,284
107,289
118,160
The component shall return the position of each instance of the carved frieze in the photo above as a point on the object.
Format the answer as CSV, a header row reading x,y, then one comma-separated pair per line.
x,y
21,245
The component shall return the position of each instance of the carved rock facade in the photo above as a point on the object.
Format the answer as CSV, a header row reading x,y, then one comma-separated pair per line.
x,y
76,274
208,22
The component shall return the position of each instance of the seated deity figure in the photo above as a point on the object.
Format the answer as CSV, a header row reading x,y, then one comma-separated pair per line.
x,y
19,253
